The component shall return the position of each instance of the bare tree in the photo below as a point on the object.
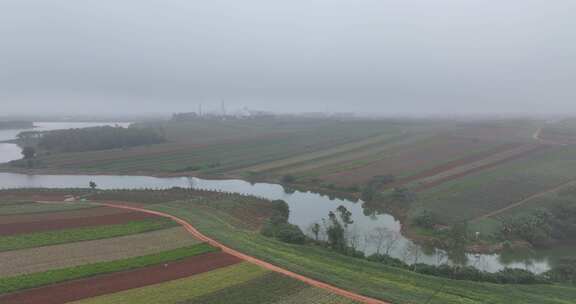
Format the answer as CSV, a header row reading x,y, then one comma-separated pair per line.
x,y
384,239
391,241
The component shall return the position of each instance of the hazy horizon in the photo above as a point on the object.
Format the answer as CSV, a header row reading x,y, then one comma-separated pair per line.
x,y
382,57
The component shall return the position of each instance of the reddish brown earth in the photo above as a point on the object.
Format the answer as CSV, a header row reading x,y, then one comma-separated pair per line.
x,y
119,281
58,224
58,215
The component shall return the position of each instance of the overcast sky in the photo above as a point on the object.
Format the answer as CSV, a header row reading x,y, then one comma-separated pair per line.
x,y
379,56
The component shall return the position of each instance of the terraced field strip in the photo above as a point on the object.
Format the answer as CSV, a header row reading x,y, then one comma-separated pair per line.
x,y
30,207
253,260
74,254
181,290
473,168
59,215
488,162
50,277
294,162
526,200
60,224
119,281
269,288
404,161
37,239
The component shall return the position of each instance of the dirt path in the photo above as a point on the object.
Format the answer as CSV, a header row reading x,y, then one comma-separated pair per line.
x,y
522,202
197,234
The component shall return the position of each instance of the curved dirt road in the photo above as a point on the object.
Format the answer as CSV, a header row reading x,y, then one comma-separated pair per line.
x,y
197,234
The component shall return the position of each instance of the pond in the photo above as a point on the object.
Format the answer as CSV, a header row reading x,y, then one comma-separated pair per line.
x,y
373,231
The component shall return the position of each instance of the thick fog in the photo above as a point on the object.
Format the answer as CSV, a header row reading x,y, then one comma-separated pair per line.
x,y
402,56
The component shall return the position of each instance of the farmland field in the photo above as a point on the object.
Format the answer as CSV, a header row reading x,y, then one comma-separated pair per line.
x,y
37,239
481,173
77,253
486,191
165,265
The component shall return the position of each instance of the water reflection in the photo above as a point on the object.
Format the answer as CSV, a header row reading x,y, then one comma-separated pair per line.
x,y
373,231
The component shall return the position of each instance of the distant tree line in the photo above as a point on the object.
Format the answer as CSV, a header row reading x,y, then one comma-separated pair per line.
x,y
94,138
16,125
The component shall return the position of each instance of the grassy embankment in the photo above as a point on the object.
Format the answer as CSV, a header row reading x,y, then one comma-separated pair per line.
x,y
368,278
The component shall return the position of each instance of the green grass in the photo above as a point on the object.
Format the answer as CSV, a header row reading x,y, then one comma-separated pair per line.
x,y
368,278
33,280
37,239
493,189
183,289
269,288
27,207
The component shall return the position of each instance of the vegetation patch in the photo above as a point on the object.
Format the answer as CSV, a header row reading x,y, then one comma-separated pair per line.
x,y
268,288
30,207
78,253
33,280
183,289
81,234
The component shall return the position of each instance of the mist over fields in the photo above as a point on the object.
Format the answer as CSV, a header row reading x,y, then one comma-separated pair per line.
x,y
387,57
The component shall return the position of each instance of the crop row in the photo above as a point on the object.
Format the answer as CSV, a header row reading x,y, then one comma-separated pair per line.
x,y
33,280
78,253
183,289
38,239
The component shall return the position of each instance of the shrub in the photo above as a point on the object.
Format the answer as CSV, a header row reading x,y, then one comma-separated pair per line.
x,y
289,233
288,179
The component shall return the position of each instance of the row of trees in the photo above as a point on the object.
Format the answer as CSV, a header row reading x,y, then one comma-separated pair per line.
x,y
16,125
542,226
95,138
335,233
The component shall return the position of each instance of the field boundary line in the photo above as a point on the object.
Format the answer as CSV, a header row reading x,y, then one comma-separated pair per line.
x,y
525,200
192,230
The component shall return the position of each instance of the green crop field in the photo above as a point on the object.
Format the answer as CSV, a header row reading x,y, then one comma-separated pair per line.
x,y
28,207
220,146
182,290
490,190
11,284
38,239
238,284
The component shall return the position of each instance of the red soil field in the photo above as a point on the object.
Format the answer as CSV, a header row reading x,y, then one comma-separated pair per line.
x,y
58,224
115,282
58,215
